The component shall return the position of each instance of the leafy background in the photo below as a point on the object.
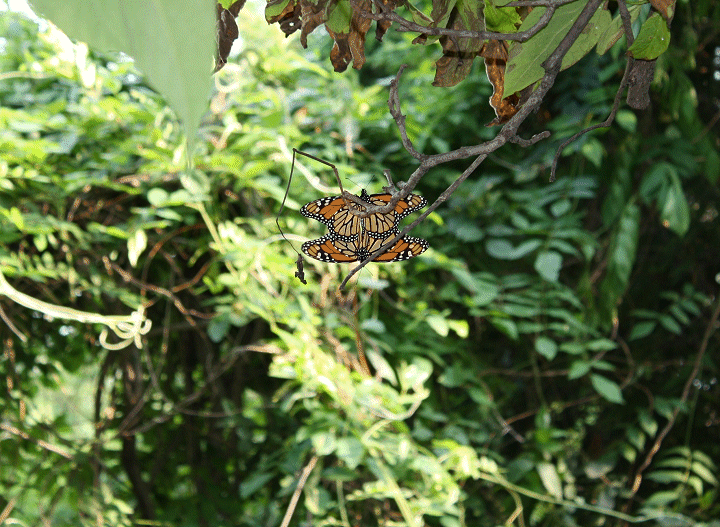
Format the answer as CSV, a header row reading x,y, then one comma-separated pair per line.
x,y
531,358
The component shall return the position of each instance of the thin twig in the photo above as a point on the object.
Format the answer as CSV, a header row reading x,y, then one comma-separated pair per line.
x,y
296,495
408,26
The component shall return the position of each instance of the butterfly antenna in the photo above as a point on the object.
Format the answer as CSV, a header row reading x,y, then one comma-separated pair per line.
x,y
300,273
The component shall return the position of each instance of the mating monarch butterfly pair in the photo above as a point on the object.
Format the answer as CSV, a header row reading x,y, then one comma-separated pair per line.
x,y
352,238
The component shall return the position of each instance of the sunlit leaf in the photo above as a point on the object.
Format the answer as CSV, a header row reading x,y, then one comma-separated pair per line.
x,y
550,479
548,265
173,45
546,347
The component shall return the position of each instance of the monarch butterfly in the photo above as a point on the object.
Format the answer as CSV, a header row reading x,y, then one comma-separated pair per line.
x,y
334,249
333,211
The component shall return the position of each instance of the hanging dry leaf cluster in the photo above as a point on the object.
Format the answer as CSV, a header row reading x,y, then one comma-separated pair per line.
x,y
348,22
513,41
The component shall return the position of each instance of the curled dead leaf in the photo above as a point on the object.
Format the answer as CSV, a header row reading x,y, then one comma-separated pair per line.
x,y
351,46
495,53
458,53
313,16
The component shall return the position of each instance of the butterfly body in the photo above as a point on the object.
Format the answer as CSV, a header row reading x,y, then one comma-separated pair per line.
x,y
352,238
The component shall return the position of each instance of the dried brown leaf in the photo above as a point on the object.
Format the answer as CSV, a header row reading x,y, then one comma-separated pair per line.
x,y
495,53
313,15
351,46
384,25
291,22
226,33
340,55
666,8
287,9
458,53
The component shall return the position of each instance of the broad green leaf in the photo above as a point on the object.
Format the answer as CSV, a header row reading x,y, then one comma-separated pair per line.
x,y
273,9
324,443
382,366
670,324
653,39
505,325
648,424
254,482
414,375
607,388
579,368
524,66
373,325
172,43
601,345
338,18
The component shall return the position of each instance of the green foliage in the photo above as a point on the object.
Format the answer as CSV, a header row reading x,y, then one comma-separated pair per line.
x,y
526,58
525,364
653,39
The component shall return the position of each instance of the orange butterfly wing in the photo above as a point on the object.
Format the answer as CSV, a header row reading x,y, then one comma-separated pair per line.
x,y
353,239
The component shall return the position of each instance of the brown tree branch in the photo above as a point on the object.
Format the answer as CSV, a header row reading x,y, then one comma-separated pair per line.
x,y
508,133
408,26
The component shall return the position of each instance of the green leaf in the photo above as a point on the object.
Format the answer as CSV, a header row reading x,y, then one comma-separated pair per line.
x,y
704,472
548,264
254,482
524,66
504,250
579,368
642,329
546,347
172,43
339,15
350,450
461,327
324,443
507,326
653,39
439,324
607,388
550,479
615,30
674,212
500,19
273,9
